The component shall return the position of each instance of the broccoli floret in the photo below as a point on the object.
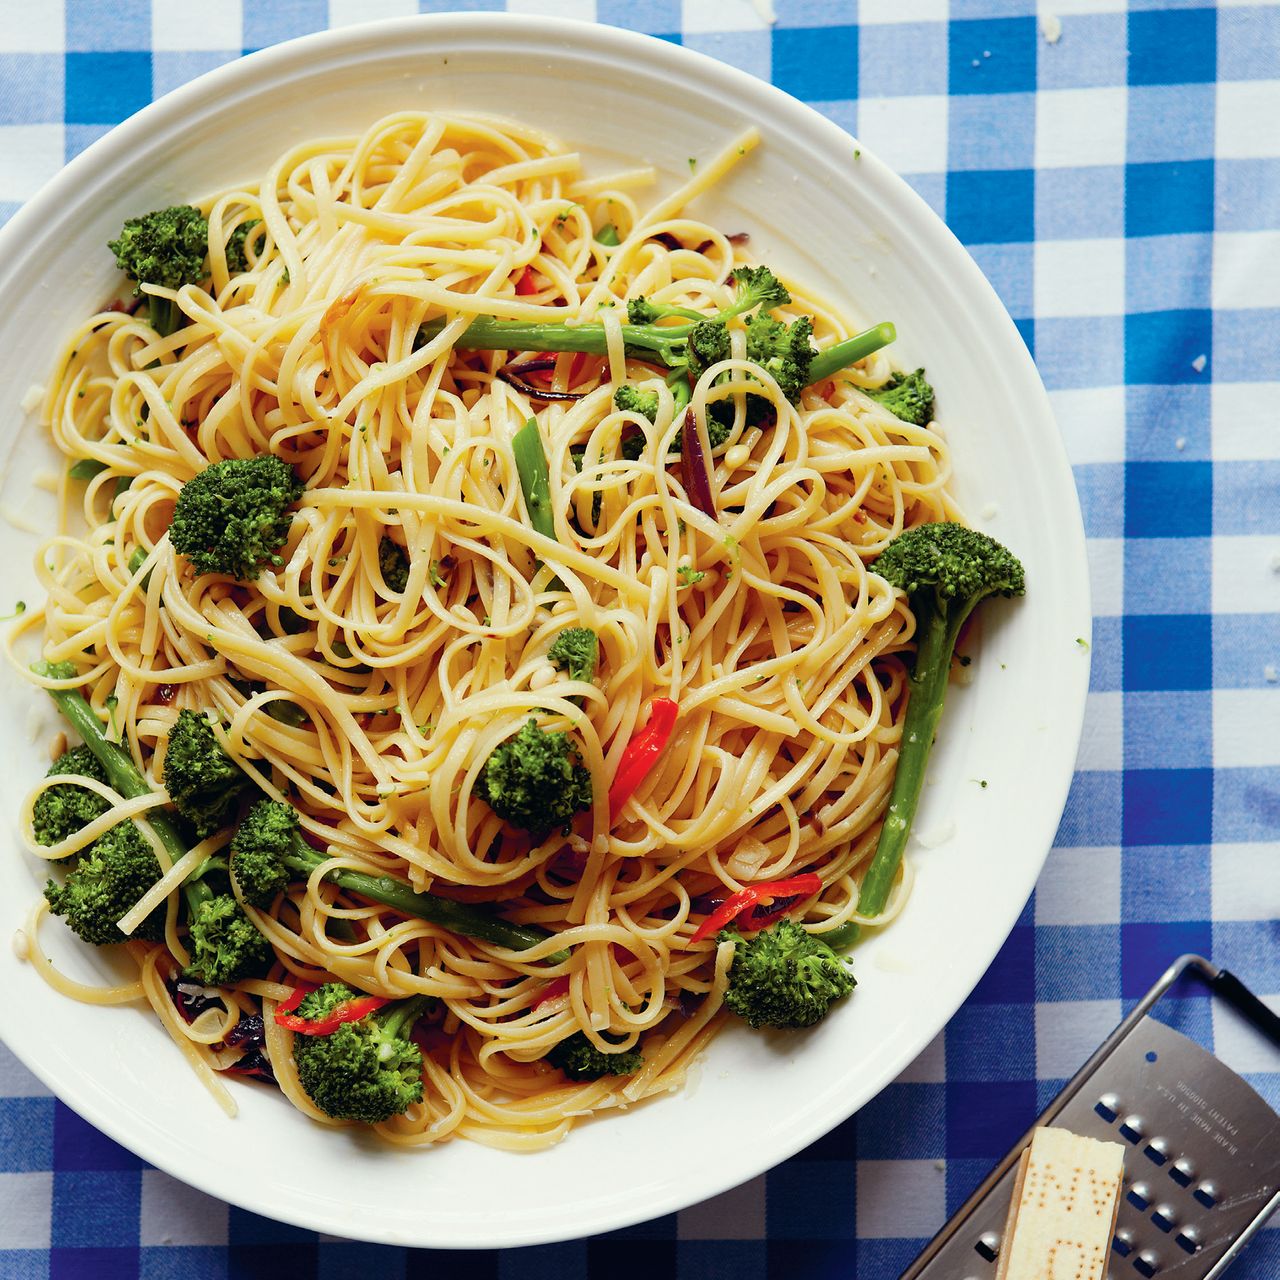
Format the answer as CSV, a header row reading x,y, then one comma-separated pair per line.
x,y
268,853
757,287
61,811
233,517
945,570
224,944
535,780
236,260
111,875
785,351
579,1059
784,977
202,780
366,1070
907,396
394,563
708,345
576,650
642,311
167,248
631,399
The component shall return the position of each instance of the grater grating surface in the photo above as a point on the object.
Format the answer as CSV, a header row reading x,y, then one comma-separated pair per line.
x,y
1202,1165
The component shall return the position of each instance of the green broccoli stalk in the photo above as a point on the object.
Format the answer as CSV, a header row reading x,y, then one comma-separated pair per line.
x,y
167,248
394,563
907,396
784,977
366,1070
268,853
688,347
203,782
61,811
109,878
945,570
535,780
233,517
579,1059
125,866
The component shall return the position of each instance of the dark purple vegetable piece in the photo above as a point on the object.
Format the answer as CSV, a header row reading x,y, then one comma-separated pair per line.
x,y
696,473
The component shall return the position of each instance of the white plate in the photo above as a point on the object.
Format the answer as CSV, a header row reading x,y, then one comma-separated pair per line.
x,y
814,209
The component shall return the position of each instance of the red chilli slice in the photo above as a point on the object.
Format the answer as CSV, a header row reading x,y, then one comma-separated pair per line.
x,y
801,886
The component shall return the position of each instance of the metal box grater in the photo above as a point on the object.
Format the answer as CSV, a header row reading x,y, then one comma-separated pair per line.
x,y
1202,1172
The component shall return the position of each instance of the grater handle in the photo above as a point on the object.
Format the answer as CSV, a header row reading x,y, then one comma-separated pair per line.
x,y
1243,1001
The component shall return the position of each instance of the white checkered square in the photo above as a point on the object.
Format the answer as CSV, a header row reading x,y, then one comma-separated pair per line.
x,y
1246,268
1068,1032
1246,575
1079,278
32,28
184,25
1091,420
16,1081
737,1215
1102,739
881,11
1077,128
701,17
30,154
1240,1044
1106,576
28,1210
174,1213
345,13
1245,123
1058,896
584,10
1244,881
909,133
1246,729
930,1067
1244,423
898,1198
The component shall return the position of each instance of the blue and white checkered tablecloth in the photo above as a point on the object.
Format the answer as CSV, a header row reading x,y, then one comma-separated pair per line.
x,y
1115,170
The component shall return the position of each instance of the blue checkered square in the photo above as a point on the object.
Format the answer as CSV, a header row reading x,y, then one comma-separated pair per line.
x,y
284,19
1248,43
1250,947
993,131
1170,122
1178,45
1169,197
1168,499
902,59
1245,349
1244,498
1167,575
1080,351
1245,645
1148,948
183,1262
1077,962
1101,489
129,28
1168,273
1167,652
975,1028
1090,53
792,1212
1245,191
1011,269
104,1262
1080,204
1168,806
904,1122
95,1210
1165,885
992,206
984,1120
1166,423
1147,742
816,63
1168,346
1105,672
104,88
1091,816
646,15
32,87
993,55
26,1134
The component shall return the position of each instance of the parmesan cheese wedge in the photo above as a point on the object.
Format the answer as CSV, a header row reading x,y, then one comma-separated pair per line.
x,y
1063,1215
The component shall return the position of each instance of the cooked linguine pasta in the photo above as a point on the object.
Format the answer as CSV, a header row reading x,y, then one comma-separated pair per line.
x,y
373,708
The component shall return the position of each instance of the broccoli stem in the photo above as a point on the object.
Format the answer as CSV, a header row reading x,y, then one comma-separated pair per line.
x,y
166,316
850,351
535,479
928,692
122,773
396,1019
457,917
660,344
